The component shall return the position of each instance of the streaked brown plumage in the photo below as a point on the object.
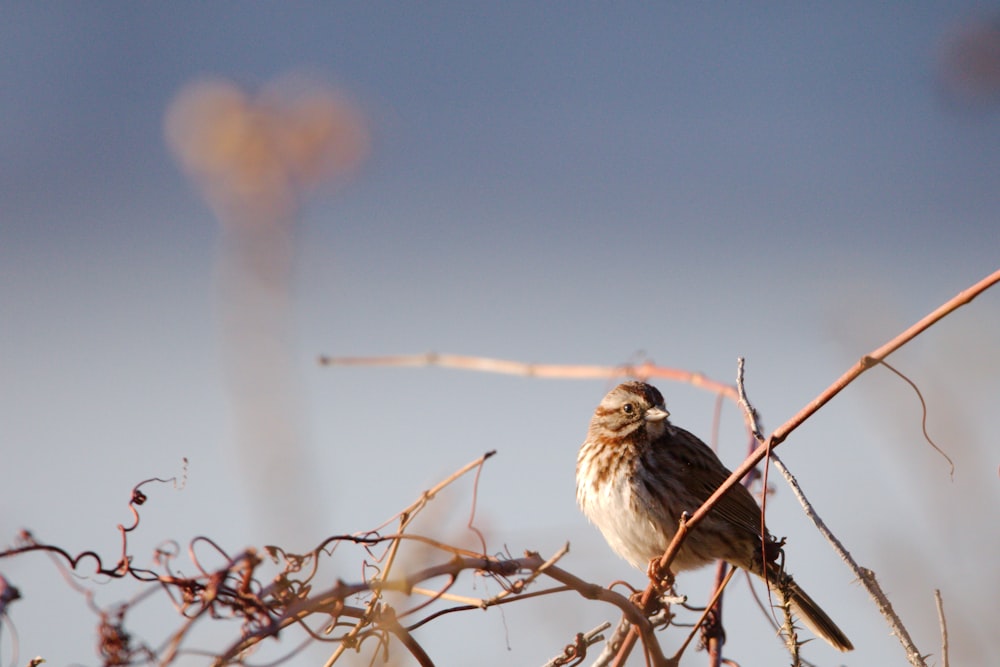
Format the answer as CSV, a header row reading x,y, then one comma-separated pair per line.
x,y
636,473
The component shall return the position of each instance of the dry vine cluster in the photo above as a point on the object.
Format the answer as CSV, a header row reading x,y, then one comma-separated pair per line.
x,y
272,592
269,593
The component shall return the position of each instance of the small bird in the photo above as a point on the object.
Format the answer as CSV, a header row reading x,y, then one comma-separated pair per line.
x,y
637,473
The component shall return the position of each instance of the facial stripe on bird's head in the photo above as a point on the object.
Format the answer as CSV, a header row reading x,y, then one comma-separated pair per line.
x,y
625,408
647,392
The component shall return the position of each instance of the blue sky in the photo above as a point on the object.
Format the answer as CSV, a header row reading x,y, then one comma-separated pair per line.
x,y
556,183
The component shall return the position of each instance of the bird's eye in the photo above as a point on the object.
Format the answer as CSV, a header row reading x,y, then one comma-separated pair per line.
x,y
628,408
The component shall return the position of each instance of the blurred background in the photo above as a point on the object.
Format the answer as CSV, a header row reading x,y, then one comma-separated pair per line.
x,y
198,200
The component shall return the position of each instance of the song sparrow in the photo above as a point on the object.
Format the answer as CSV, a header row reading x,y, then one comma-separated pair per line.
x,y
636,473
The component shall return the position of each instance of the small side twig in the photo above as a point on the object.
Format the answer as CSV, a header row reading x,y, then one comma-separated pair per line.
x,y
749,411
614,643
944,627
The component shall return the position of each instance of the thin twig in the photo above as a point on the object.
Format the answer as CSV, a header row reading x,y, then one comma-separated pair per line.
x,y
405,517
478,603
574,653
752,419
556,557
866,576
387,619
714,643
704,614
944,627
409,514
749,411
614,643
641,626
923,416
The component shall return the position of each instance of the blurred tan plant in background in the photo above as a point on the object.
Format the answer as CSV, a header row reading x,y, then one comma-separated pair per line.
x,y
254,156
247,151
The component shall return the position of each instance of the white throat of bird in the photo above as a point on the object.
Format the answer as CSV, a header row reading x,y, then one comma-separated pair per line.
x,y
656,421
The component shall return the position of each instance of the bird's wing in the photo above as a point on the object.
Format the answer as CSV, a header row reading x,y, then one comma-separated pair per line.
x,y
706,473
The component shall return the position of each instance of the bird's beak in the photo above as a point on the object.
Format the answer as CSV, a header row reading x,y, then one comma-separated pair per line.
x,y
656,414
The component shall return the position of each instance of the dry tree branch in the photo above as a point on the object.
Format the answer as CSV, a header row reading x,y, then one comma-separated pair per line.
x,y
714,635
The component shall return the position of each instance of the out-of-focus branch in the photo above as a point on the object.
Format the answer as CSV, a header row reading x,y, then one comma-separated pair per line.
x,y
645,370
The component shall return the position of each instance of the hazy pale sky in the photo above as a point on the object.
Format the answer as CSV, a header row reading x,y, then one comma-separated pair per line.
x,y
560,183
